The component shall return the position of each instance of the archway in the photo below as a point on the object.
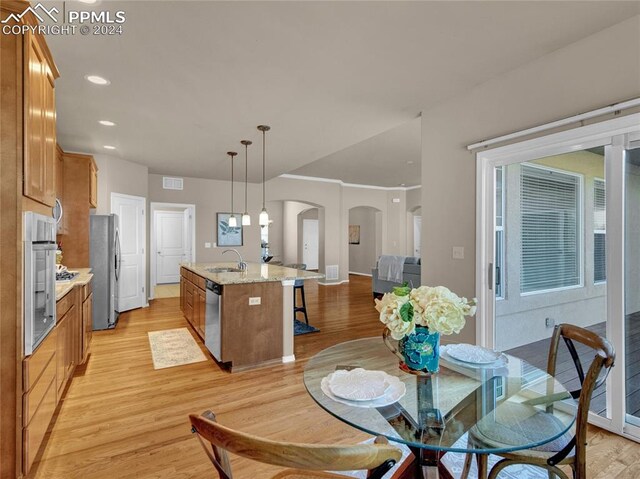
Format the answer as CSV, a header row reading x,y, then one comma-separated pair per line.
x,y
365,239
414,230
284,236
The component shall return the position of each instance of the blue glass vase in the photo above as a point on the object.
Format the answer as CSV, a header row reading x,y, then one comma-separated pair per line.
x,y
419,351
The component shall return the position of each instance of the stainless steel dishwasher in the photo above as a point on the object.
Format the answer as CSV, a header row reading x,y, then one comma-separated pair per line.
x,y
212,326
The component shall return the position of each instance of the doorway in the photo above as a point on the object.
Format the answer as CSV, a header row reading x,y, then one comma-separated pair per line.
x,y
131,292
172,242
365,239
310,243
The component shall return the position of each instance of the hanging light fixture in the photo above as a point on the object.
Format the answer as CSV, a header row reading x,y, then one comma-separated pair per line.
x,y
246,219
232,219
264,216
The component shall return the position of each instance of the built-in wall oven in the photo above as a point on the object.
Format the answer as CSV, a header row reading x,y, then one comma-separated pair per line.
x,y
39,279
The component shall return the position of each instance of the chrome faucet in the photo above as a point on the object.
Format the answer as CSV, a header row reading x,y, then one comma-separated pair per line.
x,y
242,266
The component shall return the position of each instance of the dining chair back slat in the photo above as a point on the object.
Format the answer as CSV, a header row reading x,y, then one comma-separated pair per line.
x,y
377,458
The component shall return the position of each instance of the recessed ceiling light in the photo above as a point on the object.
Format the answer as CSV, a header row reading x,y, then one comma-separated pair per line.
x,y
402,184
107,123
88,1
109,147
410,162
97,80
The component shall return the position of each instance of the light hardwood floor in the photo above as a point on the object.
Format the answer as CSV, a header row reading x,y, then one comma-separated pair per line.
x,y
123,419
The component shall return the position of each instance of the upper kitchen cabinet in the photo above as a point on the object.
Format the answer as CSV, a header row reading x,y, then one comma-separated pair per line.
x,y
39,121
93,184
80,192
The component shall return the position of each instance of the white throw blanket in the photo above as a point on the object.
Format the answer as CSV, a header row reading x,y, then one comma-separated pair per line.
x,y
390,268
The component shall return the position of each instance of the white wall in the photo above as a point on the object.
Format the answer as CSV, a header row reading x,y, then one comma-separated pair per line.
x,y
276,219
116,175
212,197
362,257
599,70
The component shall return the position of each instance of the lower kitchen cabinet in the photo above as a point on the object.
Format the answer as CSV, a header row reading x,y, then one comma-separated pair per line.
x,y
47,372
87,325
193,300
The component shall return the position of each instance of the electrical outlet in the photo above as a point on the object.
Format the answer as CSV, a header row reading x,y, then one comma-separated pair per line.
x,y
207,245
549,322
255,301
458,252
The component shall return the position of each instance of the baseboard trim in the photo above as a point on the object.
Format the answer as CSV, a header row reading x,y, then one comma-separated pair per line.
x,y
333,284
359,274
289,359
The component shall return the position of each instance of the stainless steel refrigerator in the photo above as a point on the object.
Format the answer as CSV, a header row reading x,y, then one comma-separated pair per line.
x,y
104,254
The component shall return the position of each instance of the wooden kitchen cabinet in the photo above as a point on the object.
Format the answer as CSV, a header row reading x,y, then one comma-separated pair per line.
x,y
201,307
80,184
93,184
87,321
40,396
39,163
60,188
193,300
65,350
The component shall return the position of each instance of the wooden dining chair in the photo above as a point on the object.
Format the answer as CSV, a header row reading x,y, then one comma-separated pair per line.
x,y
566,450
308,460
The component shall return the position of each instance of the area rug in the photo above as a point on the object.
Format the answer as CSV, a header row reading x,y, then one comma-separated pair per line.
x,y
174,347
303,328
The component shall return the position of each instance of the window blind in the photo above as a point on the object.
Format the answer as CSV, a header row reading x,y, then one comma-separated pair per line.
x,y
599,231
550,256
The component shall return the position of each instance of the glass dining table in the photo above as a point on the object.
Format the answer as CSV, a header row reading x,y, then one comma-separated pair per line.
x,y
505,406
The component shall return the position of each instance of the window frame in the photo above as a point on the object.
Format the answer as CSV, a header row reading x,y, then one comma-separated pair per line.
x,y
579,225
503,242
597,231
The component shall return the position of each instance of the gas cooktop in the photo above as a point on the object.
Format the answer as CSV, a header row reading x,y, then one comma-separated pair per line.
x,y
65,276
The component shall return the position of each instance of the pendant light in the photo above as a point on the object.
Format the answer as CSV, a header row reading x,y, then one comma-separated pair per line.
x,y
233,223
246,219
264,216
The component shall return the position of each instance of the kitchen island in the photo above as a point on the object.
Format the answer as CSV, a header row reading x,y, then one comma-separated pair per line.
x,y
245,318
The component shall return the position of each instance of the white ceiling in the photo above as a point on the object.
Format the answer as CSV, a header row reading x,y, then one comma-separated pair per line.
x,y
390,159
189,80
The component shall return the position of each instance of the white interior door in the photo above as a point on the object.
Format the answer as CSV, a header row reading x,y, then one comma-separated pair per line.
x,y
310,243
188,228
171,244
417,231
131,225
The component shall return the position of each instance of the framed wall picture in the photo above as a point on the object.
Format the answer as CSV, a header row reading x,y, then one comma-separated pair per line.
x,y
227,235
354,234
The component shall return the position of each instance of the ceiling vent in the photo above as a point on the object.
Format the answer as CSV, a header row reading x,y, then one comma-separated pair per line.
x,y
331,272
169,183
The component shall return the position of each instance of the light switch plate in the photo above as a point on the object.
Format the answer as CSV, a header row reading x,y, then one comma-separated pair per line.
x,y
255,301
207,245
458,252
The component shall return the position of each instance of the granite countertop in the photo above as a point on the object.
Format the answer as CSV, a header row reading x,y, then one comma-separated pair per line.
x,y
255,273
63,287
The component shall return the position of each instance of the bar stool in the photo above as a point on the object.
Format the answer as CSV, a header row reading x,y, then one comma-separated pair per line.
x,y
299,285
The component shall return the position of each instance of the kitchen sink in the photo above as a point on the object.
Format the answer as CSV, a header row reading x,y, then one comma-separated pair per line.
x,y
223,270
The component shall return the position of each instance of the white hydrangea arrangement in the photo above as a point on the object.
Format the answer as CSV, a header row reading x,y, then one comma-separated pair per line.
x,y
436,308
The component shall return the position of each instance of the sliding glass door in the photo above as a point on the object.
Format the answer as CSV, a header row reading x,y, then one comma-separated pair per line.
x,y
632,284
549,257
550,231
